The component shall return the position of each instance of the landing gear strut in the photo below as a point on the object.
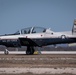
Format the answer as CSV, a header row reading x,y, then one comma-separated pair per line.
x,y
30,50
6,52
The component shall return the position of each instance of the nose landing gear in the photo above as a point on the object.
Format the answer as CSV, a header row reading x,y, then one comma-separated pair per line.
x,y
6,52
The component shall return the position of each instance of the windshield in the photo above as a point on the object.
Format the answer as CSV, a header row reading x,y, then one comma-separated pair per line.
x,y
31,30
26,30
38,30
18,32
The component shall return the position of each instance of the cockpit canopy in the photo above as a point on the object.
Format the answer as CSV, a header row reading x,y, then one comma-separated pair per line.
x,y
31,30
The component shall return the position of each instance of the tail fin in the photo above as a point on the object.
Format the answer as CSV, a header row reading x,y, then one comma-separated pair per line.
x,y
74,28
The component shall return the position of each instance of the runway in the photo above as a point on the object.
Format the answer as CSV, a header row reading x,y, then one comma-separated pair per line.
x,y
46,63
38,71
43,64
42,52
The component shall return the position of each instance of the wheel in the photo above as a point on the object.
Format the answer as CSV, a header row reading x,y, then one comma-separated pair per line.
x,y
6,52
30,51
63,36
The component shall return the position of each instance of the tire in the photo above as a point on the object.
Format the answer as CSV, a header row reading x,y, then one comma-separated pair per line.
x,y
30,51
6,52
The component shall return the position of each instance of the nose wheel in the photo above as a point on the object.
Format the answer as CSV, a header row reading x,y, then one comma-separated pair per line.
x,y
30,50
6,52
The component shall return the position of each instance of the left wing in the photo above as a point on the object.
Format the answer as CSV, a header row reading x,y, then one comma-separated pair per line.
x,y
28,42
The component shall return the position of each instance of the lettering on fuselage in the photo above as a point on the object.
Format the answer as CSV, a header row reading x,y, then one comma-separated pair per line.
x,y
10,42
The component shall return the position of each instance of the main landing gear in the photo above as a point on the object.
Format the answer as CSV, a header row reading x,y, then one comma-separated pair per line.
x,y
30,50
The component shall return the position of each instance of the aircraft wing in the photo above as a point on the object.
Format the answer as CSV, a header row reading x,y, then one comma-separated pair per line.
x,y
45,41
28,42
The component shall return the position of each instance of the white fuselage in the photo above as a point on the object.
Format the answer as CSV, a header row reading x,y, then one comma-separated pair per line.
x,y
49,34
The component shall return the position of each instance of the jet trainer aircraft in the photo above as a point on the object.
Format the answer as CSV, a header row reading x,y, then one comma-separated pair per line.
x,y
37,37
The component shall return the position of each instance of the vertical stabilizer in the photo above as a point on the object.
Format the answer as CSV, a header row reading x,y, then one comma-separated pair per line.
x,y
74,28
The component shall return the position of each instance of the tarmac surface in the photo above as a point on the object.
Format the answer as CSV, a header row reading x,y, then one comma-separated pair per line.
x,y
46,64
41,52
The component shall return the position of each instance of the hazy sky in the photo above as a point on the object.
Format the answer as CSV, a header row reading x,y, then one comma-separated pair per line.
x,y
18,14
